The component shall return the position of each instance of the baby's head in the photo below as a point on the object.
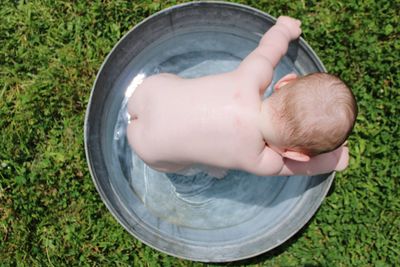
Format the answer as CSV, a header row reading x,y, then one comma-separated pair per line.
x,y
313,114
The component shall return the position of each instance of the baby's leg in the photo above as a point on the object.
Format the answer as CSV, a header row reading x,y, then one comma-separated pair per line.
x,y
196,169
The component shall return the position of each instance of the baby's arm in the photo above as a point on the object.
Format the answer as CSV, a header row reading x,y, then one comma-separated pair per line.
x,y
258,66
272,163
336,160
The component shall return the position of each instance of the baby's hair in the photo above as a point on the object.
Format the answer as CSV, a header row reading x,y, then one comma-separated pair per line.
x,y
317,111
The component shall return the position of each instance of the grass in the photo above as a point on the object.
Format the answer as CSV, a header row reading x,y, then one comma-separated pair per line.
x,y
50,212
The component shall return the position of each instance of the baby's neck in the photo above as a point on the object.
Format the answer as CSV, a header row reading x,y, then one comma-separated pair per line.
x,y
267,124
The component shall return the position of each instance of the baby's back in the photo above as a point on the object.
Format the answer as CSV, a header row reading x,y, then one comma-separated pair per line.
x,y
180,122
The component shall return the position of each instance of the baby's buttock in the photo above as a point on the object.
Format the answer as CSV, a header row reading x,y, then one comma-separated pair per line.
x,y
175,123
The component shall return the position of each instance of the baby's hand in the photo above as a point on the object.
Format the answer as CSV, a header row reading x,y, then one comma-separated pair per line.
x,y
342,154
292,26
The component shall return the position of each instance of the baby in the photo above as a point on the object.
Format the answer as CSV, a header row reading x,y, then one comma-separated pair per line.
x,y
222,122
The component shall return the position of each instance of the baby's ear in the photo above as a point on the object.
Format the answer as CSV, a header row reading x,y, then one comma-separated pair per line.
x,y
294,155
285,80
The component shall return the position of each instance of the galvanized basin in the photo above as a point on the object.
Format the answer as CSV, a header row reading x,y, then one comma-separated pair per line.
x,y
197,217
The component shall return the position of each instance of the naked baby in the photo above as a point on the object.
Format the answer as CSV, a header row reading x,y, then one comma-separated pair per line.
x,y
223,122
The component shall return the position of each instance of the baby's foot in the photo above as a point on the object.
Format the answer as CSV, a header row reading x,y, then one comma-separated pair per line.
x,y
216,172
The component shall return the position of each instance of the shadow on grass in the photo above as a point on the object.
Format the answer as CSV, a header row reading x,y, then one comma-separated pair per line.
x,y
280,249
265,257
283,247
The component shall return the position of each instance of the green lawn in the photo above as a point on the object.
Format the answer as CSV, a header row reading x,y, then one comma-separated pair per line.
x,y
50,211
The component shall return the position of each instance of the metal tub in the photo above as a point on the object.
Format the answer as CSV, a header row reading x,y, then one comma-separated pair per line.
x,y
197,217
